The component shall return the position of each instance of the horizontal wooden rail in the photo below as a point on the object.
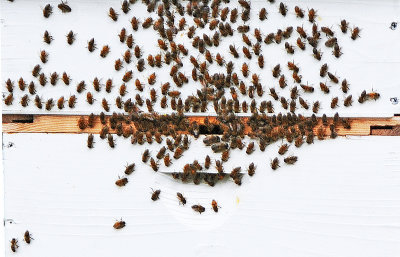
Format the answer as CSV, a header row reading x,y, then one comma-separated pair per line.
x,y
68,124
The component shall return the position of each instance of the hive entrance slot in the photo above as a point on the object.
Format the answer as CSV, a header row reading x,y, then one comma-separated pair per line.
x,y
216,130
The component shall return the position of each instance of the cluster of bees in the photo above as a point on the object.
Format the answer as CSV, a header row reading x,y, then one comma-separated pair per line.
x,y
139,122
14,242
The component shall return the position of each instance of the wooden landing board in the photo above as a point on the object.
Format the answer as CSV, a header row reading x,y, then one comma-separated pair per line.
x,y
68,124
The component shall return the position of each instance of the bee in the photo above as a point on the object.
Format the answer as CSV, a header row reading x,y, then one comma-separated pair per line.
x,y
49,104
307,88
301,32
262,15
373,96
327,31
47,38
251,170
275,163
125,6
147,23
283,149
331,42
333,132
289,48
293,67
27,237
261,61
9,99
321,133
278,36
21,84
89,98
24,101
282,9
214,205
348,101
104,51
181,198
90,141
246,52
35,71
44,56
233,51
273,93
337,51
119,224
96,84
60,103
72,101
38,102
153,164
310,138
233,17
64,7
317,54
198,208
276,71
155,195
303,103
334,102
290,159
245,70
31,88
138,52
316,107
149,105
355,33
287,33
294,93
300,44
42,79
14,245
345,123
91,45
47,11
311,15
53,78
113,14
111,141
333,78
299,141
81,86
127,76
299,12
250,148
344,25
70,37
105,105
324,88
363,97
269,39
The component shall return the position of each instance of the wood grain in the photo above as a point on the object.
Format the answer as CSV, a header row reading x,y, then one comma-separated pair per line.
x,y
68,124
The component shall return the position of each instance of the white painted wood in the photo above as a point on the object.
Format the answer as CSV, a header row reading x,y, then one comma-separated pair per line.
x,y
371,62
340,199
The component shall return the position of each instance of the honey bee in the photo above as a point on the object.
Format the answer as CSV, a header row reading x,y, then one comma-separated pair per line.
x,y
348,101
300,44
296,77
321,133
269,39
127,76
105,105
273,93
104,51
245,70
24,101
21,84
262,15
233,51
147,23
331,42
283,149
14,244
276,71
119,224
125,6
44,56
299,12
324,88
71,101
70,37
333,78
317,54
35,72
27,237
333,132
113,14
31,88
334,102
290,159
47,38
181,198
299,141
311,15
64,7
301,32
287,33
373,96
47,11
49,104
153,164
355,33
344,25
363,97
233,17
282,9
9,99
275,163
337,51
91,45
316,107
252,169
345,123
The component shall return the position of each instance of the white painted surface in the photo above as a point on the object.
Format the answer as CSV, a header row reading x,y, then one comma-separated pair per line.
x,y
340,199
370,62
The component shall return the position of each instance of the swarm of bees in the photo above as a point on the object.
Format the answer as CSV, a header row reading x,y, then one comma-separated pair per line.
x,y
136,119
